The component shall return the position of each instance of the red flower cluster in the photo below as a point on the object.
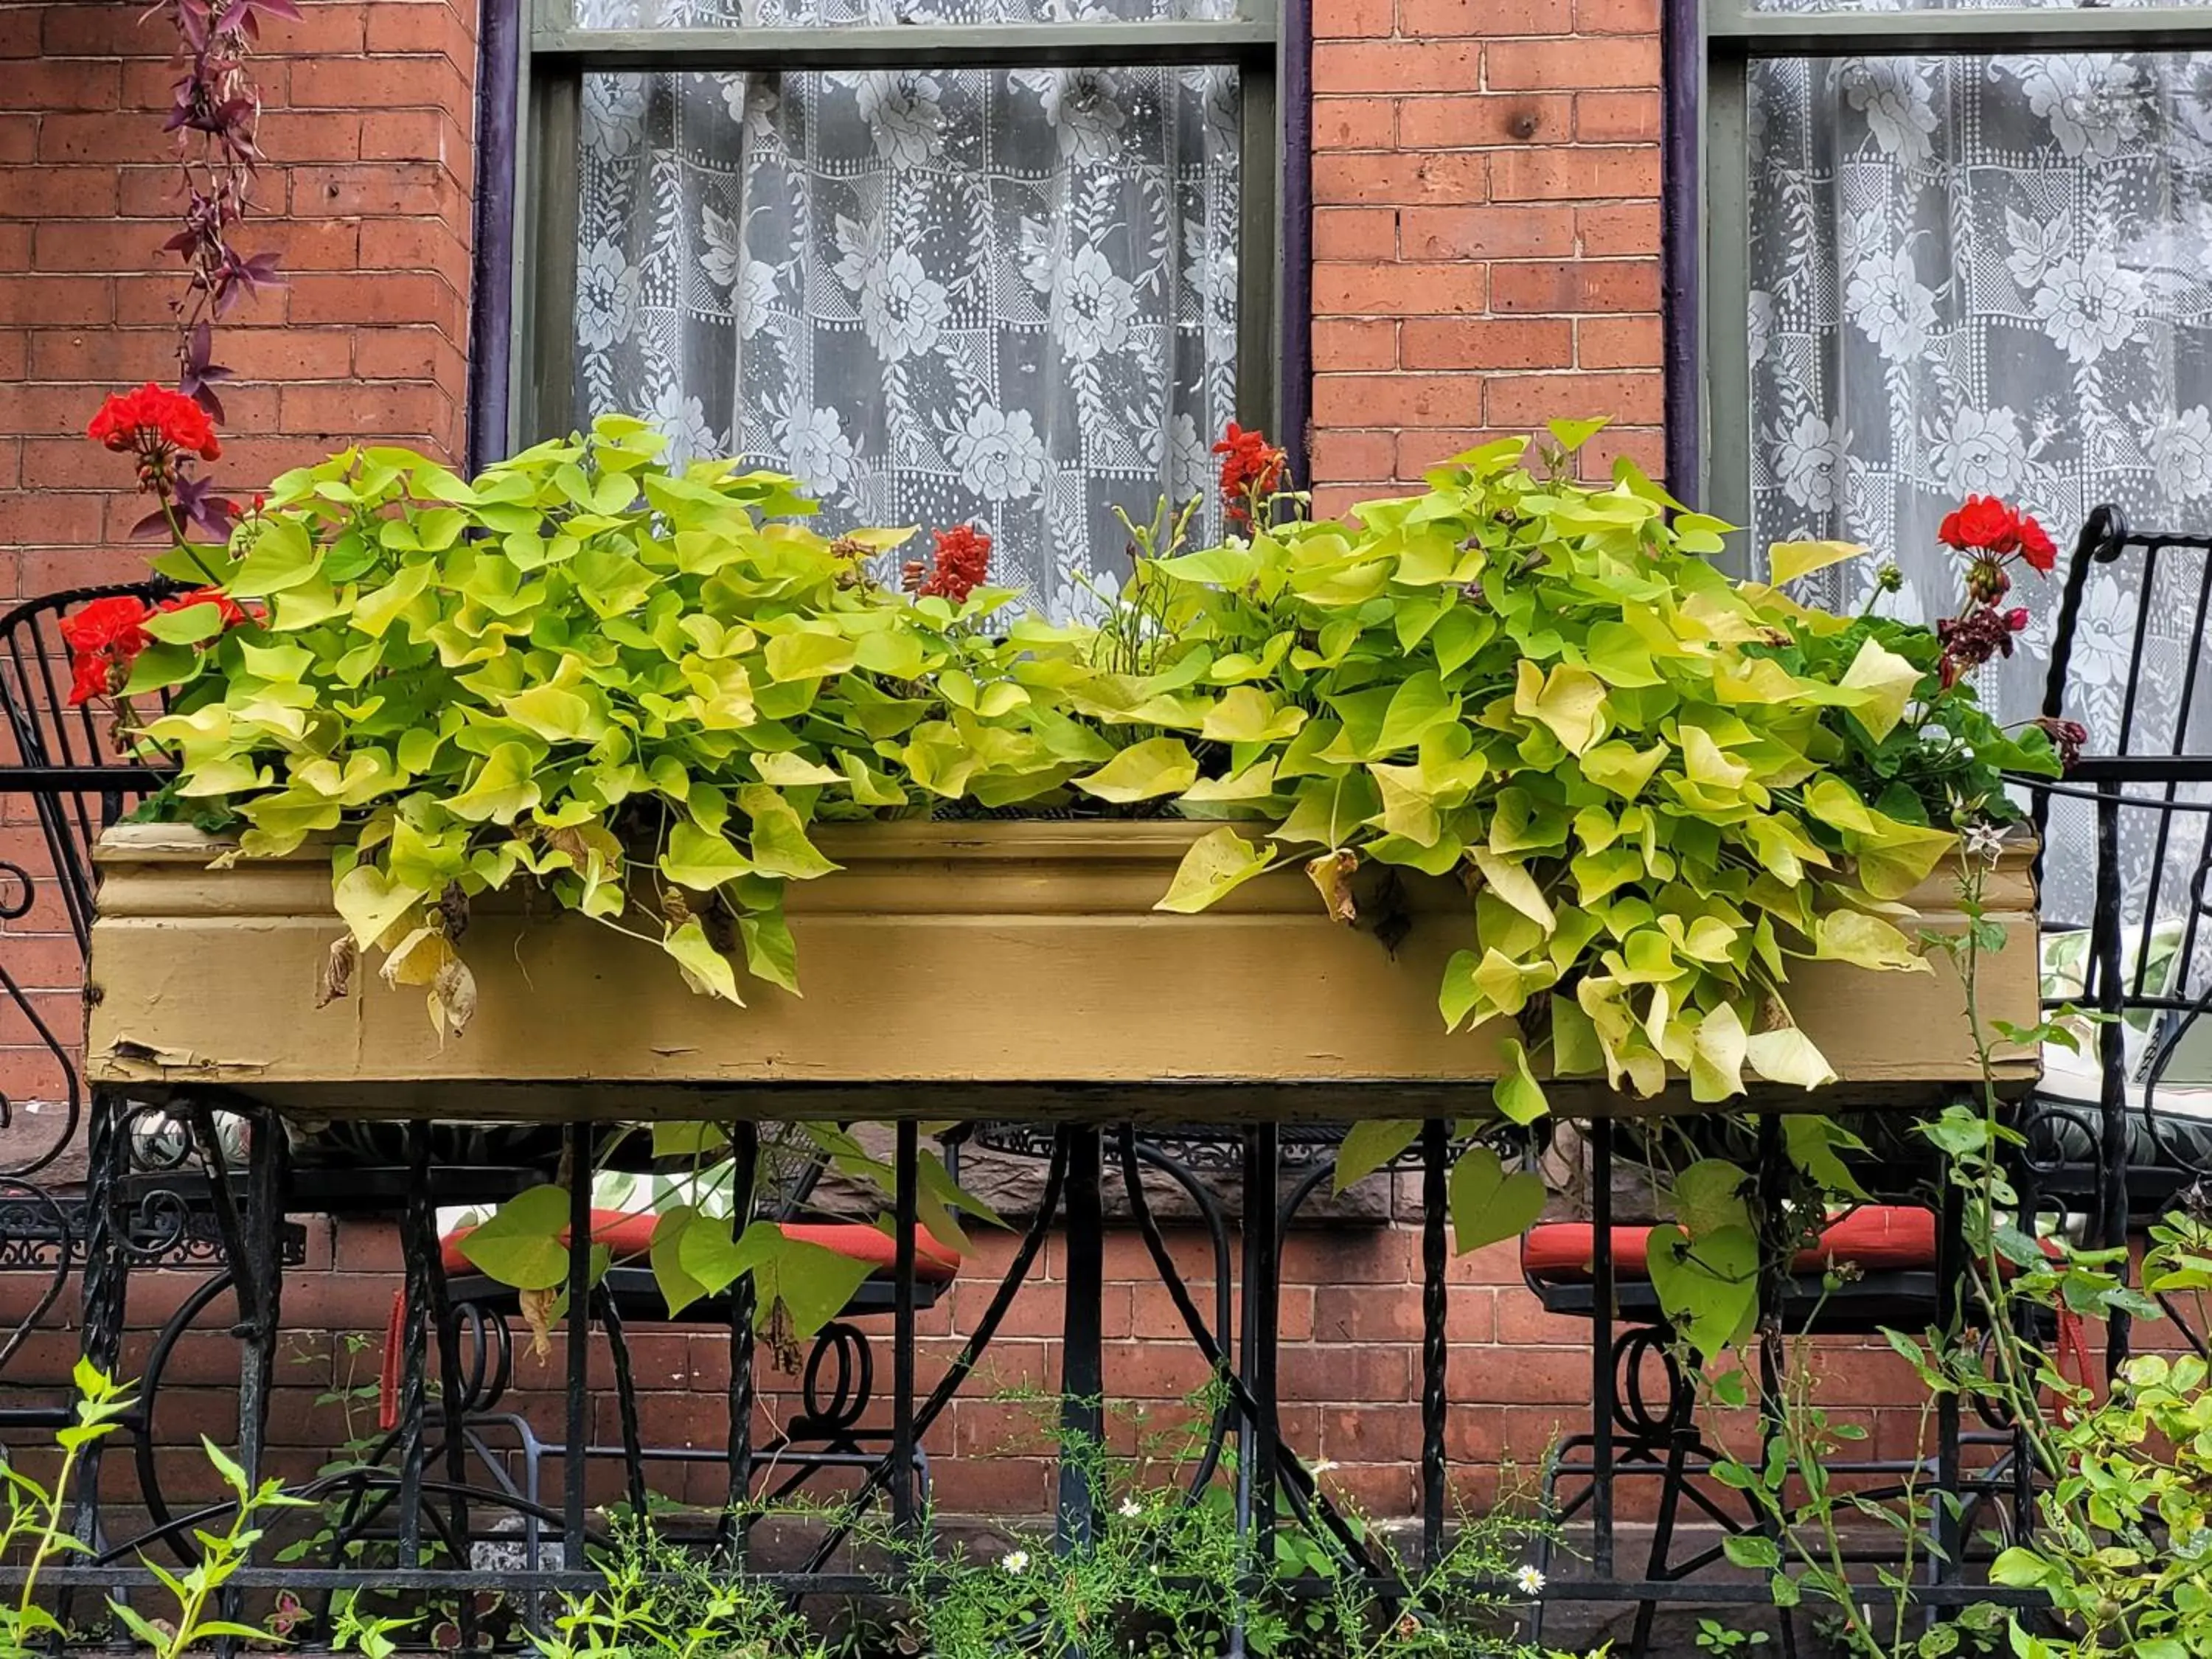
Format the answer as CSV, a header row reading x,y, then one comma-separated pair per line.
x,y
106,637
155,421
1993,533
961,565
1251,470
1986,525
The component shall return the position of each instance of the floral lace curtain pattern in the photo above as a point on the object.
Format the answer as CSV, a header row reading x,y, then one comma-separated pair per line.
x,y
1991,276
941,297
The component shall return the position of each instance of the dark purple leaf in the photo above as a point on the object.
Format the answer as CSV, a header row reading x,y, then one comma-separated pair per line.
x,y
201,509
153,524
201,390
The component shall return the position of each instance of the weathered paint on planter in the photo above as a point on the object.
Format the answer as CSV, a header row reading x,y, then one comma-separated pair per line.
x,y
951,970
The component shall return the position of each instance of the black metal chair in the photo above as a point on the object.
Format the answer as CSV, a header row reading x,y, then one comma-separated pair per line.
x,y
1898,1266
2119,1135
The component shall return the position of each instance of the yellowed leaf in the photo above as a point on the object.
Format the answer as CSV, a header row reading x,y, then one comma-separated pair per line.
x,y
1887,680
1788,561
1568,700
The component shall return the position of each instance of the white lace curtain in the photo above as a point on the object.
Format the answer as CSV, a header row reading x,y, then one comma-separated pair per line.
x,y
1004,298
1991,275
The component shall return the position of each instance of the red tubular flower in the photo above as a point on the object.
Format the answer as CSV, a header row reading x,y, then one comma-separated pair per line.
x,y
104,639
961,563
1251,470
2067,737
1983,525
155,421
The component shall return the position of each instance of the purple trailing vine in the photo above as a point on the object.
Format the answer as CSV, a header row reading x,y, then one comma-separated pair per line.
x,y
216,115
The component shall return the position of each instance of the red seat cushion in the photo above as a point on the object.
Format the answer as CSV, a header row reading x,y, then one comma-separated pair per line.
x,y
627,1234
1879,1238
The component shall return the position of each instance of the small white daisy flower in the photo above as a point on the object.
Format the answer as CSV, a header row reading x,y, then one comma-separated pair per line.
x,y
1015,1561
1131,1509
1528,1581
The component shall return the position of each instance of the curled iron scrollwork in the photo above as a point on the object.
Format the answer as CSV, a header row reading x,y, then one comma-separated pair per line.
x,y
18,892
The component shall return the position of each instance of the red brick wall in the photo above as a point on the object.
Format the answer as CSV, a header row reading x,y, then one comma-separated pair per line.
x,y
1350,1366
367,129
1485,182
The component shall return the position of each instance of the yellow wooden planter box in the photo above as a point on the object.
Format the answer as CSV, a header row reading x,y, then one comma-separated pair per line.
x,y
951,970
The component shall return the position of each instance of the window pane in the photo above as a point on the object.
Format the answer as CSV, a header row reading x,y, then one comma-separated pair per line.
x,y
1003,298
1938,5
840,13
1988,276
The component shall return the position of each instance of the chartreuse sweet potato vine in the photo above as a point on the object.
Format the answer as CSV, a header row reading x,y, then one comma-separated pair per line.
x,y
639,688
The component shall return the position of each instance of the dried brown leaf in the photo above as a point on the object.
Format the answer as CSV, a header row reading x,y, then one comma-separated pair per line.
x,y
537,1314
336,979
454,992
1332,873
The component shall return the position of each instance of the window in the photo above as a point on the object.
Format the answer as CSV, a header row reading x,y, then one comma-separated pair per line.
x,y
1961,250
1009,262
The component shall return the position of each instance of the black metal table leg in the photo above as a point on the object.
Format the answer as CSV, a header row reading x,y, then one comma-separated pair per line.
x,y
2112,1144
1263,1262
745,1152
578,1162
1436,1149
107,1276
1602,1313
906,1180
419,1251
267,1157
421,1221
1082,1385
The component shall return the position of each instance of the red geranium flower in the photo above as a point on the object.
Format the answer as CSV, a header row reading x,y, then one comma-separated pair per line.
x,y
154,421
2036,546
1251,470
104,639
961,563
1983,525
90,676
116,623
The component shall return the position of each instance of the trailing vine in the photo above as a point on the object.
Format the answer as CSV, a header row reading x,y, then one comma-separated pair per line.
x,y
215,113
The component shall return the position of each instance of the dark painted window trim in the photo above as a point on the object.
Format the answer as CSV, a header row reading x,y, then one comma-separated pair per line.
x,y
491,313
1704,41
1682,70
